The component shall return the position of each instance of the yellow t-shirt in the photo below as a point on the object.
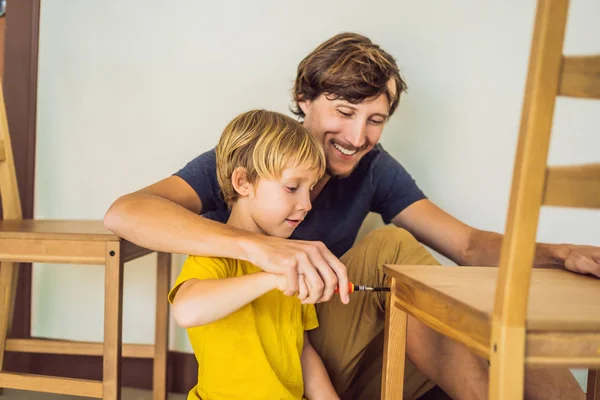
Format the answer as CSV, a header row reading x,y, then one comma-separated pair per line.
x,y
253,353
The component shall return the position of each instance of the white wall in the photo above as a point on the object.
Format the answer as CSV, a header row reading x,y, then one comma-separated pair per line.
x,y
130,91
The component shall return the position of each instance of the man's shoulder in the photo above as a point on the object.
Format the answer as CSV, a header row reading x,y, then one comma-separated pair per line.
x,y
201,174
203,160
375,160
203,165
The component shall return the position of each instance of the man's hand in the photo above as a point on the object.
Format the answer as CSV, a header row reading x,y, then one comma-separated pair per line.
x,y
310,269
584,260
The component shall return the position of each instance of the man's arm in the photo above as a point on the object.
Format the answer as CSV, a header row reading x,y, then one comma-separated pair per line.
x,y
317,384
164,217
466,245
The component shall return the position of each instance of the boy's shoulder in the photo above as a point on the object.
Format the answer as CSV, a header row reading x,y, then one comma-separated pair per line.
x,y
234,266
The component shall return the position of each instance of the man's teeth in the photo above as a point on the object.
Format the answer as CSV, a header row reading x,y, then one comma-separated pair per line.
x,y
344,150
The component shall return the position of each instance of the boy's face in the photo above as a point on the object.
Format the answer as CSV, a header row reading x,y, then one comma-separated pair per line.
x,y
277,206
347,131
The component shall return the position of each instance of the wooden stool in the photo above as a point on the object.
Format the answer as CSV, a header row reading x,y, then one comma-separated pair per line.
x,y
76,242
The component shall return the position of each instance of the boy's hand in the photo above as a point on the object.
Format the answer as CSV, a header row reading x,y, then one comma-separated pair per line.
x,y
281,284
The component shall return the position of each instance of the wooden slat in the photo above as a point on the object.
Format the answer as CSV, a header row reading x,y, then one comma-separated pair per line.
x,y
580,77
573,186
442,311
88,230
394,348
2,153
8,287
564,362
113,322
49,346
563,349
132,251
38,383
161,336
52,251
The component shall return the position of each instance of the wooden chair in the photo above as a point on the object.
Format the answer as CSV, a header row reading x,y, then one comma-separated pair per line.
x,y
539,317
79,242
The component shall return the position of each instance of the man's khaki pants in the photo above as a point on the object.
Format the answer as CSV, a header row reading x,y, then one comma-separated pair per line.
x,y
350,337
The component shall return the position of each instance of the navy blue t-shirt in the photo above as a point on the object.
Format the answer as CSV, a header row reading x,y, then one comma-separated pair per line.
x,y
378,184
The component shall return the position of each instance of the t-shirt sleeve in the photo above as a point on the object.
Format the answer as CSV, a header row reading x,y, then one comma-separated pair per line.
x,y
201,175
395,189
309,317
196,267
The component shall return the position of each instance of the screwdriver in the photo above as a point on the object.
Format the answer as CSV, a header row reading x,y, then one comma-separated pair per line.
x,y
360,288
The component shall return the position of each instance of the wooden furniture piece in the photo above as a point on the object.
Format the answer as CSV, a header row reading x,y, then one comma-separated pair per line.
x,y
541,317
78,242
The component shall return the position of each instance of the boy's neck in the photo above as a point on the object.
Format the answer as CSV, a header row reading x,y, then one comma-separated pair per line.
x,y
241,219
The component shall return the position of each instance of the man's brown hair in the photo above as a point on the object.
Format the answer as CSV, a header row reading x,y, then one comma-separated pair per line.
x,y
348,66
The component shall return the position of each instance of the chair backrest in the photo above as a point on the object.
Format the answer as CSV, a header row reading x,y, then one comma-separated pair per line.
x,y
9,190
534,184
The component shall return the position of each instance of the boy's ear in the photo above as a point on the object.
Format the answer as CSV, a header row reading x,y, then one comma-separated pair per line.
x,y
239,180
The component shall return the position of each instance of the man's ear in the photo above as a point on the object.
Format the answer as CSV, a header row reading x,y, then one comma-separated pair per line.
x,y
304,105
239,180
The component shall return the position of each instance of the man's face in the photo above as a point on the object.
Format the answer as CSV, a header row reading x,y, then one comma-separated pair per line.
x,y
347,131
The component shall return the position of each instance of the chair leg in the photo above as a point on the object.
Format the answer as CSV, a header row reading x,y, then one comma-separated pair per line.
x,y
593,385
8,288
394,350
507,363
113,322
161,338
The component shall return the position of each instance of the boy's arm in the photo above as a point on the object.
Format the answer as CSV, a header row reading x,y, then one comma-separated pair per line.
x,y
317,384
199,302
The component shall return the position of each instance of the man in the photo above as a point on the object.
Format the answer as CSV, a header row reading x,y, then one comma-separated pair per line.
x,y
345,92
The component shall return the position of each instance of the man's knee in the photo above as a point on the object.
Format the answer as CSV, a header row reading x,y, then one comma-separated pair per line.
x,y
393,245
391,232
393,236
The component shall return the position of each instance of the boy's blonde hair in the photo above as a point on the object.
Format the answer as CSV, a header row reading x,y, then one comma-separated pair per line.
x,y
264,143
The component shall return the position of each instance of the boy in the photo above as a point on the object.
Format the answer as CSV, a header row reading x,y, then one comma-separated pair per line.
x,y
248,337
